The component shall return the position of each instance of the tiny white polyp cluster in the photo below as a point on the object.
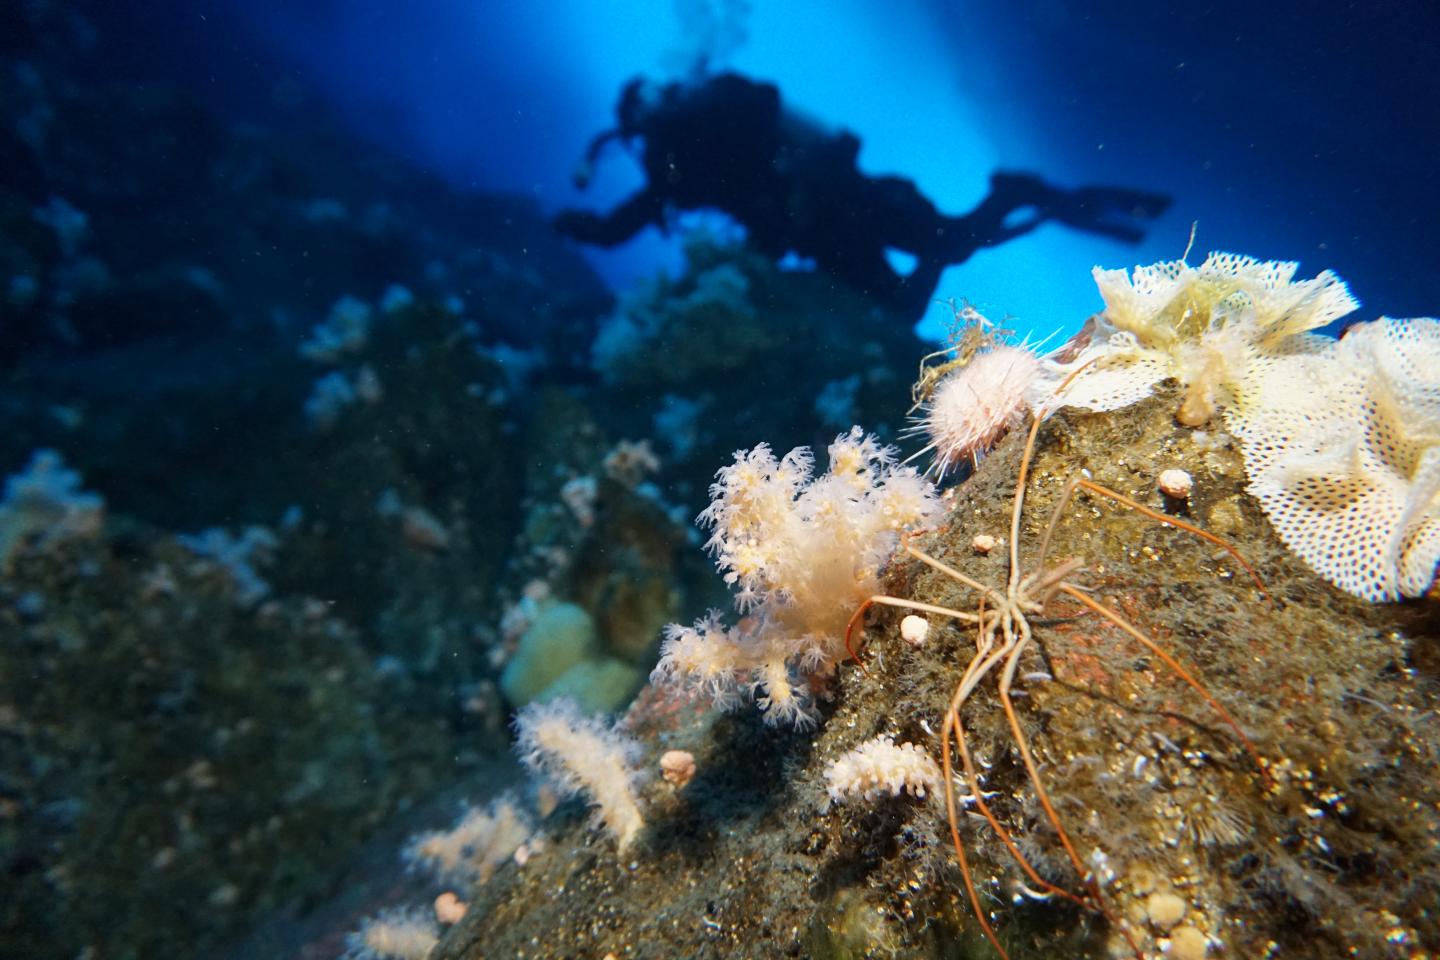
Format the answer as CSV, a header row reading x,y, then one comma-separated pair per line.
x,y
879,767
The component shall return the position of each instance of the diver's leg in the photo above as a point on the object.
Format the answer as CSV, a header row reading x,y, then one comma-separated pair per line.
x,y
1111,211
898,215
866,268
914,292
995,221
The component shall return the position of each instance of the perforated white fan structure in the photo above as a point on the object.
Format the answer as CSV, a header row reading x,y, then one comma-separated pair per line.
x,y
1341,439
1342,447
1203,326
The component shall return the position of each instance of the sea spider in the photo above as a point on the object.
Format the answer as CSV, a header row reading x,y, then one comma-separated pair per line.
x,y
1004,620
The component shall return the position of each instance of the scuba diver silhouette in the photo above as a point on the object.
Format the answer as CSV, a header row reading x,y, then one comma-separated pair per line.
x,y
725,142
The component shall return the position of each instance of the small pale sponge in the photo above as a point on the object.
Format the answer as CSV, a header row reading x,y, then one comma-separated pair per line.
x,y
914,630
878,767
1343,452
1175,483
677,766
1164,909
449,909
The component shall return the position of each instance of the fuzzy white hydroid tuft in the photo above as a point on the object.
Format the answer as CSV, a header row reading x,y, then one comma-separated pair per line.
x,y
879,767
584,756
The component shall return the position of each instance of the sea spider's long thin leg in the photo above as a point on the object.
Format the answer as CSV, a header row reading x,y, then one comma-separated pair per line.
x,y
1019,501
950,571
964,861
1119,621
1081,483
976,669
954,725
1007,678
859,614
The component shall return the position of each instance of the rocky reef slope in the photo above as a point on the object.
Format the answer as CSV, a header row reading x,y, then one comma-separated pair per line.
x,y
1318,839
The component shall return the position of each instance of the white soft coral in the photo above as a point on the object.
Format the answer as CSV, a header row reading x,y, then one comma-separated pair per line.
x,y
479,842
879,767
802,552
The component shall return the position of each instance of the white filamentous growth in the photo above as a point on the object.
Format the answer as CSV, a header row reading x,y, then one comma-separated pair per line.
x,y
584,755
393,935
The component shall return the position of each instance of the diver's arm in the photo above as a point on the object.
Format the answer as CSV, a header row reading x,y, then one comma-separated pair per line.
x,y
635,214
586,169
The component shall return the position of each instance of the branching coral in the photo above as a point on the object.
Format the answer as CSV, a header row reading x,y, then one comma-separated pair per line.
x,y
802,551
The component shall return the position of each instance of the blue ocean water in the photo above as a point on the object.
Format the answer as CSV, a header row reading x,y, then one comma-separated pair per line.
x,y
352,405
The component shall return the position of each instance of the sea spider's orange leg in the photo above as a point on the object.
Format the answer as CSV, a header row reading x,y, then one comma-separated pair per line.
x,y
954,725
956,728
1007,678
1080,483
1190,528
949,571
950,726
960,851
1071,591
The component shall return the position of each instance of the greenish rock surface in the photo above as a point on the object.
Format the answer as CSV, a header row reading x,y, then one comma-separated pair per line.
x,y
178,765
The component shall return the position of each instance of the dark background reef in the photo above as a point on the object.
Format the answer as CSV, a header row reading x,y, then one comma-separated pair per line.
x,y
202,756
